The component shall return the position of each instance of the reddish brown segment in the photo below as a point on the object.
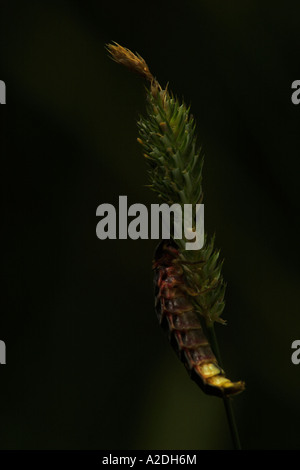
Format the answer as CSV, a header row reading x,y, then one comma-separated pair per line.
x,y
177,316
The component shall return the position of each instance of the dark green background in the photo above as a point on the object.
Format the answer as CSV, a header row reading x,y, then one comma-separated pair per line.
x,y
87,364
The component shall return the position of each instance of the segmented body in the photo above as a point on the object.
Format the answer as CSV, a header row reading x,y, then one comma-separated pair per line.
x,y
178,317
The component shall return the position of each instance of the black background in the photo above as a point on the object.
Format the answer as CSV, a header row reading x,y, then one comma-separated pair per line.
x,y
87,365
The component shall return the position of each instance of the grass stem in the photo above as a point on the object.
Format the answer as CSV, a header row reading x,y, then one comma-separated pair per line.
x,y
227,401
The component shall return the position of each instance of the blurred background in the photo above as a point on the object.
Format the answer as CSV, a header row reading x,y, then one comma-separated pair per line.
x,y
88,366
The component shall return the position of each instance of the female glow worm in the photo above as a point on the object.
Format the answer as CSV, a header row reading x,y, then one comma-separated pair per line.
x,y
178,317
